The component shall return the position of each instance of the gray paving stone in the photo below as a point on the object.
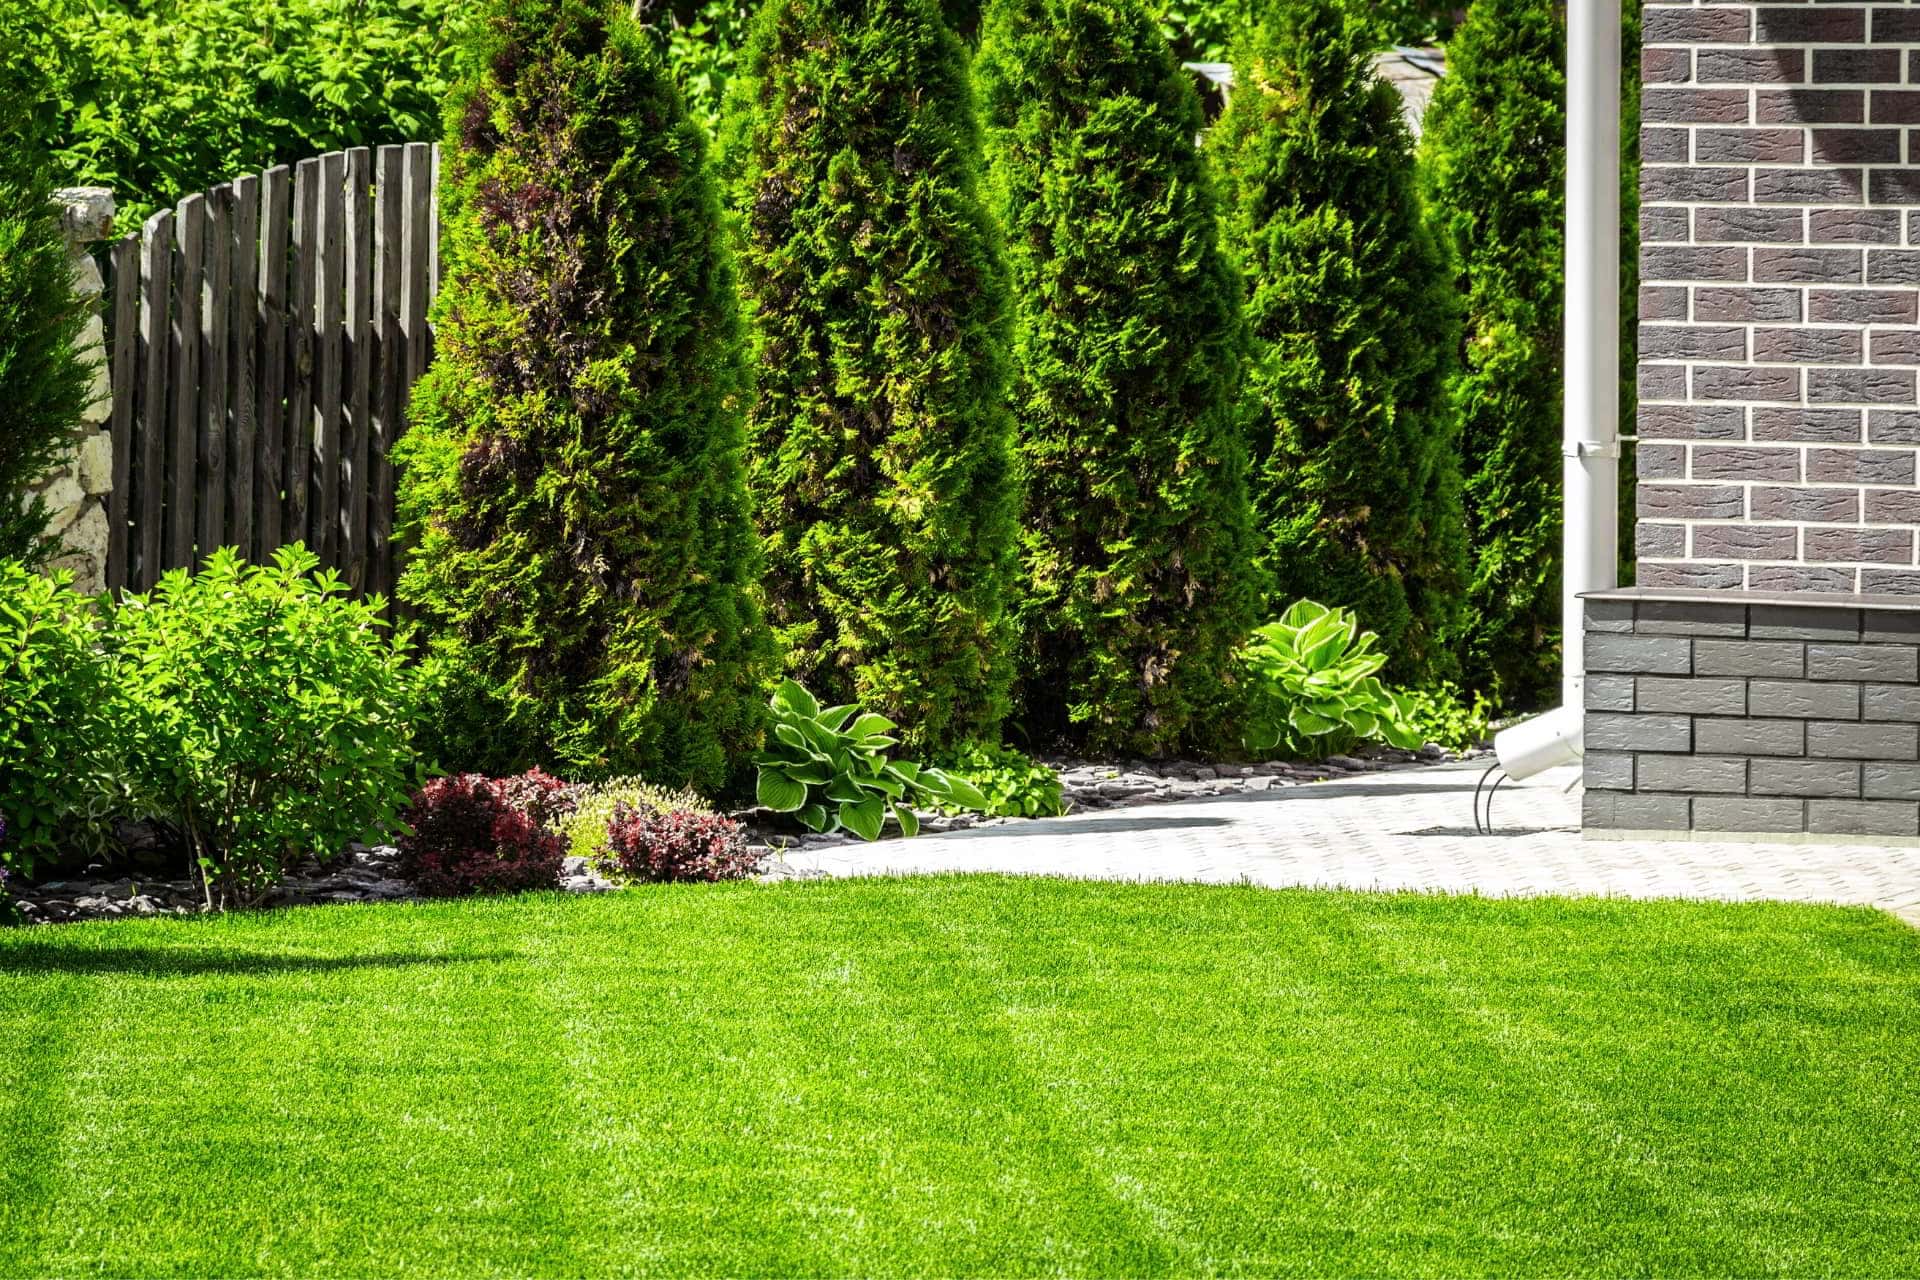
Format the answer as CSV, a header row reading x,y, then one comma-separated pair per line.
x,y
1413,830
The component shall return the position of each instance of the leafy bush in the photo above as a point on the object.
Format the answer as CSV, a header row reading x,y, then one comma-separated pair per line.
x,y
1311,687
1357,485
467,835
57,761
585,828
881,441
1013,785
44,386
1209,30
1139,547
573,473
829,768
1494,167
647,844
159,98
1441,714
264,712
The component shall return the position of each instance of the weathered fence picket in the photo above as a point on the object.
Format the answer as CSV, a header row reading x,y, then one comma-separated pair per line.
x,y
264,337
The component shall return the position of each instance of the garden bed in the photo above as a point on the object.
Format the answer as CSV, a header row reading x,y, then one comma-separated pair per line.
x,y
372,873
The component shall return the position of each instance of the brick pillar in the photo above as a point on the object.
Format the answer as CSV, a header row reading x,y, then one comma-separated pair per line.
x,y
76,492
1764,674
1780,192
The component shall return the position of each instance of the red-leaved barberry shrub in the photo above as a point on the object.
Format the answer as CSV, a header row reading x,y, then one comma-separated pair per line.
x,y
541,796
678,844
470,837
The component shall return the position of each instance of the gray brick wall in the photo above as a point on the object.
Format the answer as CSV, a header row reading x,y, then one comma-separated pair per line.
x,y
1749,717
1780,297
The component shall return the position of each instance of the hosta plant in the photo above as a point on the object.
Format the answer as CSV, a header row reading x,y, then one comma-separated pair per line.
x,y
1312,686
1014,784
828,766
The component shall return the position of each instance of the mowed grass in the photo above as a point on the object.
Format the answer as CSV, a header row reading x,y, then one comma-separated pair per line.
x,y
964,1076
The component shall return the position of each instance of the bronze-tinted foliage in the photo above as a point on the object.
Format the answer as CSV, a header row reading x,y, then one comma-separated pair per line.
x,y
573,474
880,442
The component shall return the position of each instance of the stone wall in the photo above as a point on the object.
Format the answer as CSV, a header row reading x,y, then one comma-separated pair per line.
x,y
1752,715
1780,231
76,493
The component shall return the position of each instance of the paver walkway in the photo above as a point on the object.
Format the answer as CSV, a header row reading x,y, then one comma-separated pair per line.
x,y
1407,829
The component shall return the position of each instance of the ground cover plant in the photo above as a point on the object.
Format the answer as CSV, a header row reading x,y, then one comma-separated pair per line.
x,y
964,1076
1310,686
881,444
573,470
1137,541
1357,486
832,768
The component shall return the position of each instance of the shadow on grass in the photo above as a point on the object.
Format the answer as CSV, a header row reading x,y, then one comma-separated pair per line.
x,y
31,957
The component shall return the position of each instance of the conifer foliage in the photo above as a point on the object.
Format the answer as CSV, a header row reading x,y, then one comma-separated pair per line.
x,y
1357,487
1494,166
44,386
1138,544
573,474
881,442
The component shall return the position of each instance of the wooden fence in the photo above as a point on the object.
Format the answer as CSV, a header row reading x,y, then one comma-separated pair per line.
x,y
263,337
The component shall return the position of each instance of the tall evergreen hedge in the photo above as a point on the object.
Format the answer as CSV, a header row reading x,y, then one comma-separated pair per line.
x,y
881,442
1350,301
1128,355
573,475
1494,166
44,386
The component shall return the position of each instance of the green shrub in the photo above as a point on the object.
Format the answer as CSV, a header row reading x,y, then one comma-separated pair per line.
x,y
264,712
1494,169
573,474
1312,688
44,386
162,97
1014,785
1355,326
1138,542
585,829
881,442
58,766
1210,30
829,768
1447,717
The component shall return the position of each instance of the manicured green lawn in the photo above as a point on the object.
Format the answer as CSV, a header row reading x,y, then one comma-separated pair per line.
x,y
964,1076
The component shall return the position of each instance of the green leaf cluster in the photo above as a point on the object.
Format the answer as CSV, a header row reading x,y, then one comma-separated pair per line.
x,y
58,771
881,442
159,98
828,766
1494,170
263,711
572,478
1014,784
1357,485
1312,686
1446,716
44,386
1138,539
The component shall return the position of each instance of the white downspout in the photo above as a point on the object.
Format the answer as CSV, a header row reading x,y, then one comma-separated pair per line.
x,y
1590,468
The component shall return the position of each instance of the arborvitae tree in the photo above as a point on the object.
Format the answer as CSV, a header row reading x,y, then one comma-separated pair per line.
x,y
1355,325
1139,549
880,447
1494,167
44,386
573,474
